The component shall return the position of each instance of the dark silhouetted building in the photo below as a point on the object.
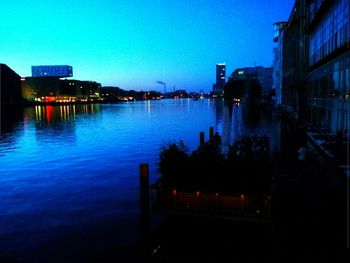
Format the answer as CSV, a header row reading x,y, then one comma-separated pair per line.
x,y
10,84
294,64
218,87
60,71
262,75
278,61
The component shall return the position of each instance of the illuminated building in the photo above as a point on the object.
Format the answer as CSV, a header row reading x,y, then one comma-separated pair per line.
x,y
218,87
53,89
52,71
46,86
10,84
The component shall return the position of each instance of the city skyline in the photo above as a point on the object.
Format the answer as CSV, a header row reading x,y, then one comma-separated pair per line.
x,y
132,45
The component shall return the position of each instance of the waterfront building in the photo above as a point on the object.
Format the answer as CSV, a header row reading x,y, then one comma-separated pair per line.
x,y
82,90
278,60
40,88
294,62
328,100
218,87
53,89
52,71
262,75
46,85
10,85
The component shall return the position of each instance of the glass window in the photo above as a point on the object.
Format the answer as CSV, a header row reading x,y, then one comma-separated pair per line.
x,y
331,33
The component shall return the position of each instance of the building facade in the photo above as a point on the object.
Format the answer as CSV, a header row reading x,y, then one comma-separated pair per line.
x,y
218,87
294,62
278,61
46,85
10,85
262,75
52,71
315,64
53,89
328,65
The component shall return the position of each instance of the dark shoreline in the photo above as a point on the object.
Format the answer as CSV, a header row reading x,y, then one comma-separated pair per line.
x,y
35,103
30,104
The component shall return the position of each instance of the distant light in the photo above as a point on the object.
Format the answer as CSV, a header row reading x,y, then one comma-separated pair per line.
x,y
174,192
197,193
240,72
23,79
242,197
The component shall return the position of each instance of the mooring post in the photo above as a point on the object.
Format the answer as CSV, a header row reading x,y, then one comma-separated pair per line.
x,y
242,197
268,201
144,203
201,138
211,133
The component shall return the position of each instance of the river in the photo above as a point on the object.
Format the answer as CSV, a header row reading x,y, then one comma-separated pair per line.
x,y
69,174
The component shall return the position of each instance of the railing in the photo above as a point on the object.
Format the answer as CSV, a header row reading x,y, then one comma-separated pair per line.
x,y
239,207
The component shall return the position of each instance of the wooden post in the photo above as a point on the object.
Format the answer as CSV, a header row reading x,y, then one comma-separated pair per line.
x,y
242,197
144,202
268,201
201,138
211,133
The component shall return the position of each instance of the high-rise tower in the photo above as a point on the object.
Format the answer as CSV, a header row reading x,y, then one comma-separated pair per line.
x,y
218,87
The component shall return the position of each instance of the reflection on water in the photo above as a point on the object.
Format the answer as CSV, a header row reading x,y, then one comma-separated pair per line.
x,y
46,116
59,122
219,107
242,119
66,169
10,117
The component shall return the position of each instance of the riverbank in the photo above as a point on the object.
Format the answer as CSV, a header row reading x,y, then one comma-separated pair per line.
x,y
308,216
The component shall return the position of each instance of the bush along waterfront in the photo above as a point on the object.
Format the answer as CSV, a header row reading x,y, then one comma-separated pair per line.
x,y
246,167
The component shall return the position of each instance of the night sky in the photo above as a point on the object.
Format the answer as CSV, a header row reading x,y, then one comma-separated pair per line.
x,y
134,43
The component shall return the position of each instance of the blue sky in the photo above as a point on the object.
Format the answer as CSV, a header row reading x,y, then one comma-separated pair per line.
x,y
134,43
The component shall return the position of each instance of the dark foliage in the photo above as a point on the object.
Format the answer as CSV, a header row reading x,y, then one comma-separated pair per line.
x,y
173,163
246,167
115,93
234,89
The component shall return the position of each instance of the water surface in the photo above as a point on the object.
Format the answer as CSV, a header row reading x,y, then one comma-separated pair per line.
x,y
69,174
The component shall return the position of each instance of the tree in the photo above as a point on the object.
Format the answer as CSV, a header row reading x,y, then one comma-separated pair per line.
x,y
234,89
